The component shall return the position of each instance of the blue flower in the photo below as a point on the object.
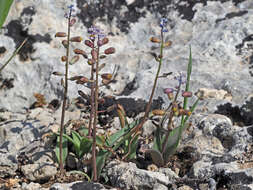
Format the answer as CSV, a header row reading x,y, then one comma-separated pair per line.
x,y
70,13
163,23
71,7
181,78
95,31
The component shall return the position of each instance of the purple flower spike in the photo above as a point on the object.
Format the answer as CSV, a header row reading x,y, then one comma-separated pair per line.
x,y
180,78
71,6
163,23
95,31
71,10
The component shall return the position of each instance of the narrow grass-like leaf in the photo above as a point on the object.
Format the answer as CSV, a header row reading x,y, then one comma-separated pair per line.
x,y
64,149
100,160
116,136
82,173
85,146
187,86
4,9
13,55
77,142
172,143
132,148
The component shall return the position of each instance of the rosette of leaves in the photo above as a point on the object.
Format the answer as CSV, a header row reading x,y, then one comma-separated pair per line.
x,y
167,139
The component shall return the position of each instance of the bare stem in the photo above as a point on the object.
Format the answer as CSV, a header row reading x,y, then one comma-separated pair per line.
x,y
145,118
94,166
64,99
91,100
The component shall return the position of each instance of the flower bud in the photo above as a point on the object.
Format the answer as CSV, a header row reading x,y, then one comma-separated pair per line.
x,y
168,90
76,39
158,112
74,60
75,78
64,58
110,50
94,54
89,43
72,22
106,76
105,81
58,73
103,41
91,61
102,56
155,40
65,43
167,44
82,80
60,34
187,94
80,52
184,112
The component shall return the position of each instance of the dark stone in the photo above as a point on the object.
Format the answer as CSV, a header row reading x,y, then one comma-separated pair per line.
x,y
247,112
250,61
29,11
111,10
2,50
226,158
6,83
232,15
19,34
250,130
131,106
129,89
248,38
232,112
227,141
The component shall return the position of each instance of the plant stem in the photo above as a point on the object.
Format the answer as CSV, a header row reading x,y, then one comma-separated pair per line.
x,y
64,99
91,100
13,55
145,118
94,166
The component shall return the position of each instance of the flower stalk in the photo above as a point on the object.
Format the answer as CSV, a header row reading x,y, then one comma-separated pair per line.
x,y
65,95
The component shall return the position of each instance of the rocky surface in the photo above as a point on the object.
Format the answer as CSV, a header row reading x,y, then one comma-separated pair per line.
x,y
215,152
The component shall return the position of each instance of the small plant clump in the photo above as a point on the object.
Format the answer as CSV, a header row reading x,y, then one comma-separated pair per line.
x,y
122,144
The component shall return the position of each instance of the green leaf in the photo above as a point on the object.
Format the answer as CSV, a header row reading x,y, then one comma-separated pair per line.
x,y
13,55
64,149
100,160
191,110
187,86
4,9
172,143
157,140
76,135
83,131
77,142
156,156
85,146
133,147
122,132
82,173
